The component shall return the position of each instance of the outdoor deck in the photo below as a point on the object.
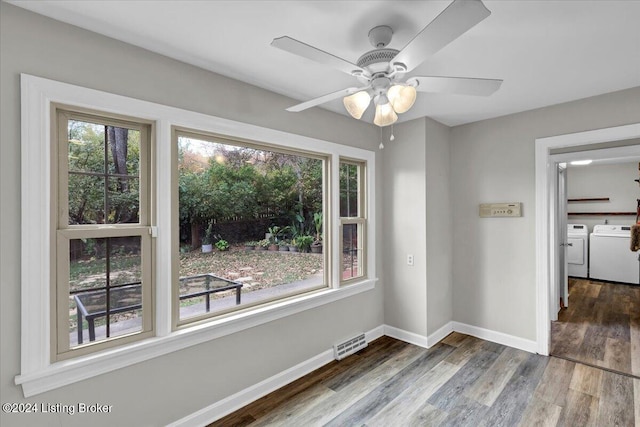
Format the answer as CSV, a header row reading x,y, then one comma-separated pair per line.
x,y
228,300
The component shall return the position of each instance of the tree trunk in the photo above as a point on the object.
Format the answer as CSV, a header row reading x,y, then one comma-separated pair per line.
x,y
117,138
195,235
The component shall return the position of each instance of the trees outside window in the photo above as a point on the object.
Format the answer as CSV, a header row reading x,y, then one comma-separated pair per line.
x,y
247,194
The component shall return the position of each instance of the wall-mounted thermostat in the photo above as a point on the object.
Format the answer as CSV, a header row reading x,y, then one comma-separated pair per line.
x,y
495,210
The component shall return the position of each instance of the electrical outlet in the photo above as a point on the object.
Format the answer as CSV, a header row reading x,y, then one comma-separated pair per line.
x,y
409,259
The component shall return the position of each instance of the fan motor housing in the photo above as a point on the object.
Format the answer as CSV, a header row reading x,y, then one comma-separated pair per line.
x,y
377,56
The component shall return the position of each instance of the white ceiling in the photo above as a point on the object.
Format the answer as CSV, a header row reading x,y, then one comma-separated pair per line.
x,y
547,52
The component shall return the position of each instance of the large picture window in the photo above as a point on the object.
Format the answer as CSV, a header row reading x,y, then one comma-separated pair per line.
x,y
150,229
250,224
103,247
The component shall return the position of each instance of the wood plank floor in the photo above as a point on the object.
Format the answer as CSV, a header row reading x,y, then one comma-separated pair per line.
x,y
461,381
600,327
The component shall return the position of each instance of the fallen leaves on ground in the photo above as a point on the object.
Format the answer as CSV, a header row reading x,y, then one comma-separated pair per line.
x,y
266,268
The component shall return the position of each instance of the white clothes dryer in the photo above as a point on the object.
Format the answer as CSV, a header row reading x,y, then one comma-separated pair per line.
x,y
610,256
578,250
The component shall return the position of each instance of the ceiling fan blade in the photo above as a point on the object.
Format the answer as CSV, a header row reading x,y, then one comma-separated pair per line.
x,y
325,98
302,49
459,17
456,85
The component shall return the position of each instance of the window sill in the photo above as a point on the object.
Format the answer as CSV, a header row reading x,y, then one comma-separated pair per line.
x,y
67,372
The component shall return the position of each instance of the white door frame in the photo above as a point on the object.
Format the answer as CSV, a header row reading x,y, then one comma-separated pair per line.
x,y
562,240
546,192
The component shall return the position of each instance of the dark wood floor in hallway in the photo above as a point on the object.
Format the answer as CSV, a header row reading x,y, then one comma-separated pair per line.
x,y
600,327
461,381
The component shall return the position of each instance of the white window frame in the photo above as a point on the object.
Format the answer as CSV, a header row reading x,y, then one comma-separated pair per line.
x,y
359,220
38,373
64,232
179,323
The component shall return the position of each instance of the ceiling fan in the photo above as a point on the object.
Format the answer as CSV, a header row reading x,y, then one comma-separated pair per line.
x,y
382,70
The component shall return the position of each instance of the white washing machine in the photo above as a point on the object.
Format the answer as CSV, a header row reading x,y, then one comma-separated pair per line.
x,y
578,250
610,257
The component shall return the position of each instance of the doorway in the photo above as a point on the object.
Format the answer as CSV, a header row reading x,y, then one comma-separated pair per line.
x,y
618,141
599,325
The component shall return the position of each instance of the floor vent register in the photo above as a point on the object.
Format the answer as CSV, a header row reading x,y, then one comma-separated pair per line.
x,y
349,347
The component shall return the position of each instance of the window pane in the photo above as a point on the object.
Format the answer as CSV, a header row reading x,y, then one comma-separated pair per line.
x,y
351,252
86,147
105,296
103,156
349,190
87,268
124,151
124,262
86,199
239,196
123,323
123,201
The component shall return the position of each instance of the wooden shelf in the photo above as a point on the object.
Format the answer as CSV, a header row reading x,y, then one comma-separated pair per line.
x,y
601,213
592,199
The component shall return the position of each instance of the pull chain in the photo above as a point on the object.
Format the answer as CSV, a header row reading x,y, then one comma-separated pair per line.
x,y
381,146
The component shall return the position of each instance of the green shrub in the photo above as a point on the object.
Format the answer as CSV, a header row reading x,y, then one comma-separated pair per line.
x,y
222,245
304,243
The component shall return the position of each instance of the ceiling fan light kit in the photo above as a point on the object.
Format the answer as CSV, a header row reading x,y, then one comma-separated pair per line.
x,y
357,103
402,97
384,111
382,70
398,98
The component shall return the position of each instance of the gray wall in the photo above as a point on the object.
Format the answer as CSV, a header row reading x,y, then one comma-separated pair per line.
x,y
405,293
439,227
417,221
493,161
169,387
614,181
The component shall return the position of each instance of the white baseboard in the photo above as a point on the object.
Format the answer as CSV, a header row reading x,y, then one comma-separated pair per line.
x,y
375,333
406,336
416,339
242,398
497,337
463,328
440,334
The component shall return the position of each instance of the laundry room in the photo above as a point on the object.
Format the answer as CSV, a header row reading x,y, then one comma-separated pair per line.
x,y
598,326
603,200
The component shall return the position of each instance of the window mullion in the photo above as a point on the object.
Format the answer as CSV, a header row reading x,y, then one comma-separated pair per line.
x,y
106,176
108,287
